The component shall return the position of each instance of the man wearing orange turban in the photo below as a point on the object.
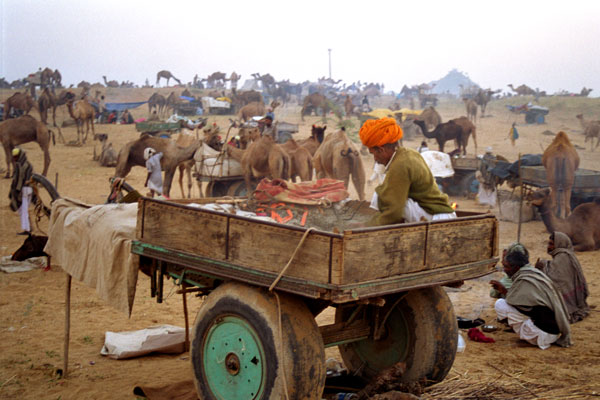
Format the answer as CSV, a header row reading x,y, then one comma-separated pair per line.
x,y
409,192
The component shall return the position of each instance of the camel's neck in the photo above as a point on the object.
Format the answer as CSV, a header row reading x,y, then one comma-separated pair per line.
x,y
427,134
552,222
70,108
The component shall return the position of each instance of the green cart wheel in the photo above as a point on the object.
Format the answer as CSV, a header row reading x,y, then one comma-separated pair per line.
x,y
421,330
238,189
238,351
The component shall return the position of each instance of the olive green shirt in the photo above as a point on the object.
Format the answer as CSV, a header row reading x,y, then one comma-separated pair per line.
x,y
408,176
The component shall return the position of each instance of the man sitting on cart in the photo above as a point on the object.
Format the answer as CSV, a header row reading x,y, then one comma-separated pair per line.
x,y
409,192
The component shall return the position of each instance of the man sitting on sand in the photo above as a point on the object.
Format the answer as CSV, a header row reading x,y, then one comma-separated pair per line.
x,y
533,307
566,273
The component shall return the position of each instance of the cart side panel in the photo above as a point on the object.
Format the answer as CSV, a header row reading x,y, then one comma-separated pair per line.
x,y
337,261
460,242
383,253
184,229
269,248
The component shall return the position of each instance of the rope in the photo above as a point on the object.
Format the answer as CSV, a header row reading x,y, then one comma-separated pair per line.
x,y
291,259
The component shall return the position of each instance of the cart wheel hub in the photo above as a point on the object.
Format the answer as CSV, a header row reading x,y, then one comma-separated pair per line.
x,y
232,363
233,359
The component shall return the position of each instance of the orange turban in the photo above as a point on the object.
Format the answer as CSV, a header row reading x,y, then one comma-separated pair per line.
x,y
377,132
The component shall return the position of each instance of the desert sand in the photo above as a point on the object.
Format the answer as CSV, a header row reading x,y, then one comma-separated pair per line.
x,y
32,303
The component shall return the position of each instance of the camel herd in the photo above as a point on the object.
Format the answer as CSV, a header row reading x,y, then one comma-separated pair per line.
x,y
331,155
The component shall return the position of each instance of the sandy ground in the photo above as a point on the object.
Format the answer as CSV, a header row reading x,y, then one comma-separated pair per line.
x,y
32,303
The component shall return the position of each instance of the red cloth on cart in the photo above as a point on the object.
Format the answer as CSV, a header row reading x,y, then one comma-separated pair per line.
x,y
310,193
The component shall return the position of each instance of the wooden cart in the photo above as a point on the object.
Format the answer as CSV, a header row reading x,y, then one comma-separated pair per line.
x,y
255,335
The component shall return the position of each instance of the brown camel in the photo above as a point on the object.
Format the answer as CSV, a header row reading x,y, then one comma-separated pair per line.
x,y
248,135
483,97
468,129
250,110
444,132
240,99
46,77
312,143
582,225
113,84
132,154
166,75
591,130
25,129
522,90
348,106
157,101
47,101
263,158
338,158
301,161
172,101
561,161
314,102
471,106
216,79
82,113
18,101
431,117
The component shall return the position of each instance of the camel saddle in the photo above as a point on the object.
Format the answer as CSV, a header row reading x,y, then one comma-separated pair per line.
x,y
320,192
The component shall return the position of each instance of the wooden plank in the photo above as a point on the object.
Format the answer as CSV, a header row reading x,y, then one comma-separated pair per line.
x,y
269,248
186,229
383,253
416,280
459,242
336,333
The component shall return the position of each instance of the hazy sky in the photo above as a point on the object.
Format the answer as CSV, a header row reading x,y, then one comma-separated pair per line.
x,y
547,44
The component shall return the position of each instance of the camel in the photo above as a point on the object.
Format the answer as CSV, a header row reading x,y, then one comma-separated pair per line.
x,y
158,102
46,77
301,161
314,141
251,110
25,129
172,101
338,158
522,90
83,112
591,130
113,84
314,101
582,225
108,155
263,158
216,79
240,99
444,132
483,97
248,135
471,106
431,117
18,101
468,129
560,159
166,75
348,106
132,154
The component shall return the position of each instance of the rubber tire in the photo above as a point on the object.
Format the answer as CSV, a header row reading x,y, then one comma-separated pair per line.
x,y
237,189
42,180
216,189
429,349
303,356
